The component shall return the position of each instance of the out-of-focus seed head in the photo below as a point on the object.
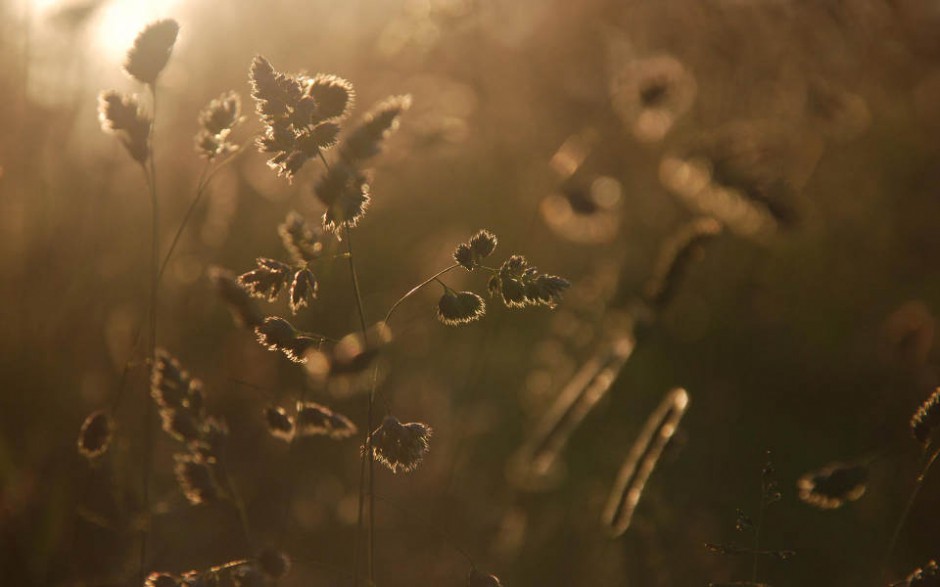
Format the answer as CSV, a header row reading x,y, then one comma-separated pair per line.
x,y
94,438
151,51
365,141
280,424
122,115
162,580
244,310
301,240
273,563
480,579
834,485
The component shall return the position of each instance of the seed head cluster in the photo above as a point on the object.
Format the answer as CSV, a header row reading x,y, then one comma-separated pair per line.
x,y
181,401
520,285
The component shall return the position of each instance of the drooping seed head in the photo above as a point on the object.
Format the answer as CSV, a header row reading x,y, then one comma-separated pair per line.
x,y
458,308
401,447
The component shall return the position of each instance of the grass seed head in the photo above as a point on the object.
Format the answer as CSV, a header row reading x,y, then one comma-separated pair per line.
x,y
480,246
401,447
196,478
457,308
151,51
267,280
280,424
834,485
365,141
121,115
244,310
94,438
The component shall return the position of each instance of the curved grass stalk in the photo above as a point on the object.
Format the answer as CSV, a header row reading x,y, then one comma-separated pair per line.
x,y
929,458
641,460
534,464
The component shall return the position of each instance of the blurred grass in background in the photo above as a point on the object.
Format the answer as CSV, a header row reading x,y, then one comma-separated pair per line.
x,y
783,339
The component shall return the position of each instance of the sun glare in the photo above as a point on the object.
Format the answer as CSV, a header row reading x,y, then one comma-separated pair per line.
x,y
114,25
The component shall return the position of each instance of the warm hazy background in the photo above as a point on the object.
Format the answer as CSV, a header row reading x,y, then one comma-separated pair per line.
x,y
783,340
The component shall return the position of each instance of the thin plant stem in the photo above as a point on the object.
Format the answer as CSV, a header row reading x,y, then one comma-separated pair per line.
x,y
929,458
202,186
760,521
201,189
237,501
152,346
438,530
417,288
368,441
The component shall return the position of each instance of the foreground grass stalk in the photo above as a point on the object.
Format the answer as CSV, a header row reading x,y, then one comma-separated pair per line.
x,y
368,442
929,458
152,344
